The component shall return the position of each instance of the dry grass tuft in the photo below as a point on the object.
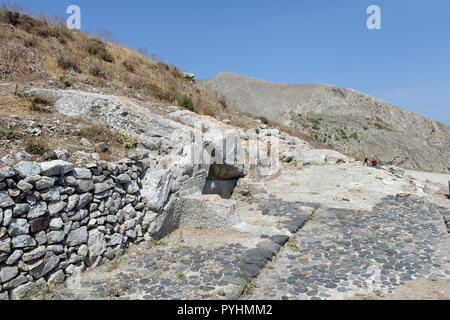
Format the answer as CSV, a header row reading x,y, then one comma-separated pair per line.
x,y
36,146
96,133
66,62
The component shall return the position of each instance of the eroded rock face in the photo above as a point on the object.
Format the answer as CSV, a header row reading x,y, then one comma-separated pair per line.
x,y
251,188
207,211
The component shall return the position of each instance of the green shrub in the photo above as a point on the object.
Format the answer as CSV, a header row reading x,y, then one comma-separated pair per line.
x,y
9,132
343,134
65,81
97,48
381,127
179,275
186,102
128,140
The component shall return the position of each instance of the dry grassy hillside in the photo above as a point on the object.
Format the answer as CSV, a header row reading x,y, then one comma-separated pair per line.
x,y
36,51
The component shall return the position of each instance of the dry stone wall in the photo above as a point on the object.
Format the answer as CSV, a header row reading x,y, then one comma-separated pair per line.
x,y
56,219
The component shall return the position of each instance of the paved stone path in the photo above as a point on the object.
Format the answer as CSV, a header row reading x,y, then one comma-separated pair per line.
x,y
164,273
343,253
326,254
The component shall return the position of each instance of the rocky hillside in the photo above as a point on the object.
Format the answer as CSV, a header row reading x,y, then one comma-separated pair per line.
x,y
346,119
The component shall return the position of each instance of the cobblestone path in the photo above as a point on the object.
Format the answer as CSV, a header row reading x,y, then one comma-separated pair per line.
x,y
344,253
326,254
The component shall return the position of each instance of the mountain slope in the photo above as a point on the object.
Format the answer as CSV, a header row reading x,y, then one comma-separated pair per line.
x,y
348,120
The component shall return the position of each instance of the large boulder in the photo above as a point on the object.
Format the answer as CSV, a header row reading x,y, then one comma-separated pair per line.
x,y
251,188
156,188
56,168
27,169
5,200
150,143
97,245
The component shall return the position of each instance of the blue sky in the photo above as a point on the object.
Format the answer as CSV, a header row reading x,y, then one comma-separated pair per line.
x,y
407,62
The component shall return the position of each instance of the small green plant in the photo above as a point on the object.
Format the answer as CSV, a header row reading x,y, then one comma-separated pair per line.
x,y
316,123
186,102
292,244
343,134
45,292
365,128
155,243
378,293
128,140
381,127
354,135
9,132
179,275
97,48
248,289
222,293
65,81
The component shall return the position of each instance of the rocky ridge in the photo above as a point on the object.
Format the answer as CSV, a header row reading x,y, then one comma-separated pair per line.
x,y
348,120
